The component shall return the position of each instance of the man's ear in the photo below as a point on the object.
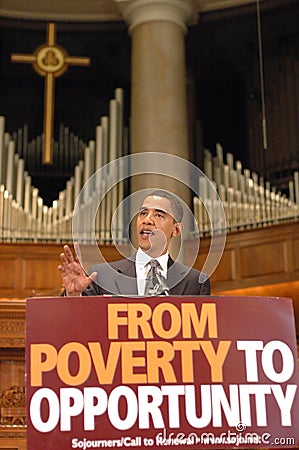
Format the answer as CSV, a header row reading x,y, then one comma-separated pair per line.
x,y
178,229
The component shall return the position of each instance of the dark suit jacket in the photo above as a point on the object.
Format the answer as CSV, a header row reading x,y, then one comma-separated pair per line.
x,y
119,278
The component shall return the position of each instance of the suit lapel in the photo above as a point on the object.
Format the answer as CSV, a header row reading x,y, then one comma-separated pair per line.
x,y
125,280
176,277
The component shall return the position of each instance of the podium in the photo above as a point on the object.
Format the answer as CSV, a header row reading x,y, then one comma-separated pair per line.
x,y
161,372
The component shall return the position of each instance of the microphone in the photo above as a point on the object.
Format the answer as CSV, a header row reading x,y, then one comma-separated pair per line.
x,y
163,286
160,285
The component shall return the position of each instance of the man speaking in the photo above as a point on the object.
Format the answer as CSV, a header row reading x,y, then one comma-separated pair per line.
x,y
151,270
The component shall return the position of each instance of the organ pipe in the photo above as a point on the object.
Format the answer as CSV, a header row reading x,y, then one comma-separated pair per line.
x,y
23,215
248,200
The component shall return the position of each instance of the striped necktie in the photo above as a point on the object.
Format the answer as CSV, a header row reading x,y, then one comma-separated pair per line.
x,y
151,280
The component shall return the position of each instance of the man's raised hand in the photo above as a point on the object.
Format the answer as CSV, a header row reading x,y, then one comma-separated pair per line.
x,y
73,275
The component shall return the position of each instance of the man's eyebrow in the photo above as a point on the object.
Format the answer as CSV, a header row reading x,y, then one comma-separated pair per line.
x,y
144,208
161,211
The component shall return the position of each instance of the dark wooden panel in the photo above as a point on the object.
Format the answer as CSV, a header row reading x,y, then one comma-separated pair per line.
x,y
34,267
262,259
12,439
253,259
40,274
226,270
296,253
7,272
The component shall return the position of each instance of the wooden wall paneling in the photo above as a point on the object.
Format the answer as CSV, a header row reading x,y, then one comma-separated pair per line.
x,y
40,273
16,440
33,268
295,248
254,257
225,271
288,255
8,271
264,262
262,259
251,257
227,267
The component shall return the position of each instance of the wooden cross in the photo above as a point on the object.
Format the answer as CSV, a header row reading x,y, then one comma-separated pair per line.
x,y
49,61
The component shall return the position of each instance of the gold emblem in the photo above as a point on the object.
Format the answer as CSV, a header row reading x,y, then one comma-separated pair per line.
x,y
50,60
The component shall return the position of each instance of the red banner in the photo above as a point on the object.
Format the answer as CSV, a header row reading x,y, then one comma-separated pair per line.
x,y
161,372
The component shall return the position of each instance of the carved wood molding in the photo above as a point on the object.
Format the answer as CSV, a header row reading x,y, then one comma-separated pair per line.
x,y
12,324
13,406
14,432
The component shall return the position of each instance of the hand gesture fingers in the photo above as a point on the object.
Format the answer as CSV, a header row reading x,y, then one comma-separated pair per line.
x,y
73,275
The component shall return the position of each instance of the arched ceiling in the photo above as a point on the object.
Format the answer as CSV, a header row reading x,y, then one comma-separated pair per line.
x,y
93,10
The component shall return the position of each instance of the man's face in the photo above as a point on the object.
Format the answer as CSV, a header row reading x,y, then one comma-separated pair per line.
x,y
156,225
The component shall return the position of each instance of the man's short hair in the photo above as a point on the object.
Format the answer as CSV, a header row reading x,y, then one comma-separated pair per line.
x,y
177,210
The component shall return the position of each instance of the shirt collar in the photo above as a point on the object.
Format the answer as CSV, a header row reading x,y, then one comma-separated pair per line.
x,y
143,258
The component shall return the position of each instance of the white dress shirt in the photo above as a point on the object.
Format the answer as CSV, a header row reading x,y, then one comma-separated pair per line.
x,y
142,268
